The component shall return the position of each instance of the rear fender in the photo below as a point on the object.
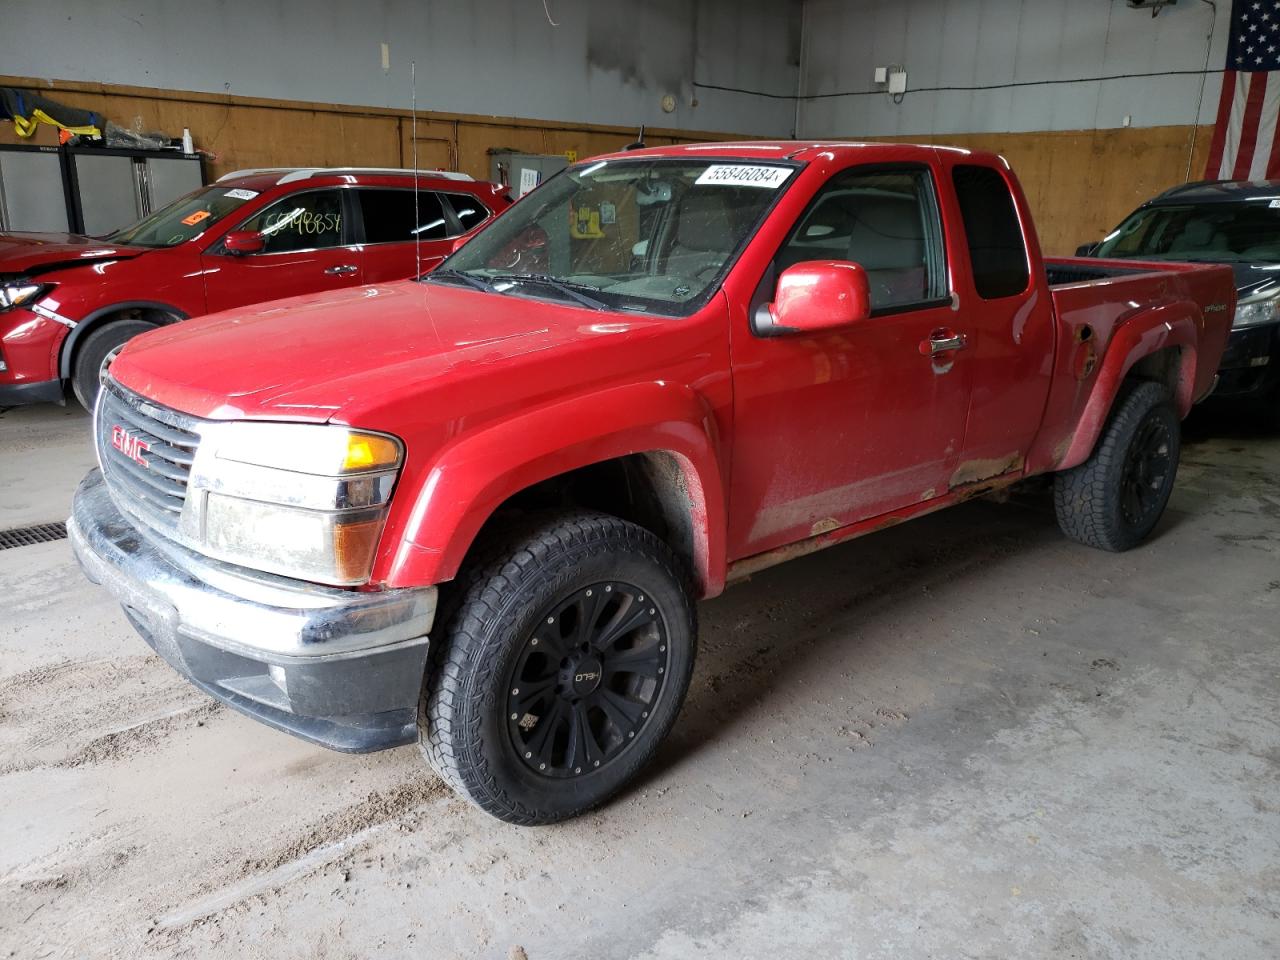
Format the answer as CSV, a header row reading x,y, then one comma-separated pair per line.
x,y
1172,325
473,476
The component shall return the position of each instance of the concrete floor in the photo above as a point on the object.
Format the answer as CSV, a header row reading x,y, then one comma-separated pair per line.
x,y
963,737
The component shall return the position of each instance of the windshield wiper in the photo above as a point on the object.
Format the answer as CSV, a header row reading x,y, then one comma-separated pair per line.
x,y
570,289
462,275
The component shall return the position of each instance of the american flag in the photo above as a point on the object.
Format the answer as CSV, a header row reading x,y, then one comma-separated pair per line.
x,y
1245,144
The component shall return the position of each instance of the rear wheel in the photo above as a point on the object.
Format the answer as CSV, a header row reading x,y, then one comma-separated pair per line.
x,y
561,666
87,370
1115,498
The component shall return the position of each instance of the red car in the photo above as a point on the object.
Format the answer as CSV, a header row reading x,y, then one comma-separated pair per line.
x,y
662,371
67,301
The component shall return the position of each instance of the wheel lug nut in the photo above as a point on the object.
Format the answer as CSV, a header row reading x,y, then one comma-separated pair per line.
x,y
528,756
588,593
542,766
597,763
551,619
652,611
577,769
608,589
630,734
515,716
515,692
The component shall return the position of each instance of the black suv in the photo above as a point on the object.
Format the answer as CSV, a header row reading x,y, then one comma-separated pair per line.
x,y
1223,221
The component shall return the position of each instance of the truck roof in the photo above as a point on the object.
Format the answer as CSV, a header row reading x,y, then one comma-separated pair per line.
x,y
1218,191
801,150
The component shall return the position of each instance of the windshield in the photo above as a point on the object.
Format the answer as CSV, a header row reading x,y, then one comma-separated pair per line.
x,y
654,236
185,218
1221,232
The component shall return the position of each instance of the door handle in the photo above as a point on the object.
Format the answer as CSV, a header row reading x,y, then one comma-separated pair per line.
x,y
342,270
942,341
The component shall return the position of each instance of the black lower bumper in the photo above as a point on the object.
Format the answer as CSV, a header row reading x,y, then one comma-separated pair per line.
x,y
39,391
1250,365
340,668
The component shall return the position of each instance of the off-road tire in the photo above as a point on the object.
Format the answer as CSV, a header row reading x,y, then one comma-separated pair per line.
x,y
1089,498
491,613
90,355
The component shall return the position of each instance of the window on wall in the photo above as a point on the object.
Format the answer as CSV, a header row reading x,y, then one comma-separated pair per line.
x,y
389,216
884,220
997,249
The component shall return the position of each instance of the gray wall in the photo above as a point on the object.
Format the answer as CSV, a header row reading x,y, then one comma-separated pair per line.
x,y
991,43
608,61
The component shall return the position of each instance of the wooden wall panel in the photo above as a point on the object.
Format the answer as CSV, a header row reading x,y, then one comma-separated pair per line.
x,y
1081,183
254,132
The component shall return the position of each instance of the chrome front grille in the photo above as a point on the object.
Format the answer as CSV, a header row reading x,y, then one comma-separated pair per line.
x,y
146,452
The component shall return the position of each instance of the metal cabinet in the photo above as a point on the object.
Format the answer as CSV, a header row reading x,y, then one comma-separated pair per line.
x,y
89,190
33,190
113,188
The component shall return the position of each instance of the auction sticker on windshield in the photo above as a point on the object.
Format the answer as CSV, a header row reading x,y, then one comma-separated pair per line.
x,y
744,175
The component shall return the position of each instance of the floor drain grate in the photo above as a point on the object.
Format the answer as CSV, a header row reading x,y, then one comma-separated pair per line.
x,y
26,536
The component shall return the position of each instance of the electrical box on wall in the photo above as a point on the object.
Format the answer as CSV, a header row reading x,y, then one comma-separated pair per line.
x,y
882,75
898,82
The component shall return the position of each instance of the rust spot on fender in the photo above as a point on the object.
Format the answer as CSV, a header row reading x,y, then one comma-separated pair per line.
x,y
824,526
975,471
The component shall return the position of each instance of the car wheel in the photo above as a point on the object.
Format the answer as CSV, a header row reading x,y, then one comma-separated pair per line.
x,y
564,657
87,370
1115,498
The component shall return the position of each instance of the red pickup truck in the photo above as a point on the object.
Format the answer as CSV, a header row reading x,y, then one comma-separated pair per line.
x,y
68,301
662,371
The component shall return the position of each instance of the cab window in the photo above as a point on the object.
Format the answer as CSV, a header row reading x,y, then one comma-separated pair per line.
x,y
996,248
885,220
302,221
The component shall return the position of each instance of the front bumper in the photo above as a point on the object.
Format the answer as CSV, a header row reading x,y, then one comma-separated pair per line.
x,y
1251,363
31,391
341,668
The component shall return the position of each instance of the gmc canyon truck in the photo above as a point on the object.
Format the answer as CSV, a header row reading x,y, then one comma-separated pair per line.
x,y
475,511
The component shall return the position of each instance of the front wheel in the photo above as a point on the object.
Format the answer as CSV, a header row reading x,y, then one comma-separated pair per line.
x,y
86,375
563,661
1115,498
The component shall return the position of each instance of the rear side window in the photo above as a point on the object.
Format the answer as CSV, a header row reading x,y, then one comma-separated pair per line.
x,y
471,212
389,216
996,248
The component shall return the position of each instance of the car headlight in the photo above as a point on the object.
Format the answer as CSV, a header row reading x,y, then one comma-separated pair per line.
x,y
1256,310
301,500
15,294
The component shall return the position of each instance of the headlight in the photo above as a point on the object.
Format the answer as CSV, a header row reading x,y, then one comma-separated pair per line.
x,y
301,500
16,294
1250,313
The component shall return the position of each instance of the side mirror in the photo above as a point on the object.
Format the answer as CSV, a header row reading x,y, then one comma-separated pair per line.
x,y
815,296
240,242
459,243
1086,249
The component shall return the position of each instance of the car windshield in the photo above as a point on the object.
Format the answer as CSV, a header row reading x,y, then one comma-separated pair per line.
x,y
185,218
1218,232
653,236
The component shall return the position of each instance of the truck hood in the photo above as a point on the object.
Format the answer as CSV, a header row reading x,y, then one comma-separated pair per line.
x,y
333,356
31,254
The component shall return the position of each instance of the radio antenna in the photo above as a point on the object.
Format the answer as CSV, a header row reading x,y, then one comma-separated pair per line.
x,y
413,134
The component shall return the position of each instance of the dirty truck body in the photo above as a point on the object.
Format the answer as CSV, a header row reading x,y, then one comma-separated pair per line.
x,y
476,511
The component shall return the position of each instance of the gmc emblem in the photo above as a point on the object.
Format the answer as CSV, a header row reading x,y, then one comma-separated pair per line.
x,y
131,446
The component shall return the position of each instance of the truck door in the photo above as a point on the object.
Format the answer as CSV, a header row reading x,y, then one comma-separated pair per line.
x,y
307,250
395,246
836,427
1012,344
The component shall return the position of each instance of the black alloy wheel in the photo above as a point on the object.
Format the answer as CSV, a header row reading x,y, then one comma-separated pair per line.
x,y
1146,470
582,688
